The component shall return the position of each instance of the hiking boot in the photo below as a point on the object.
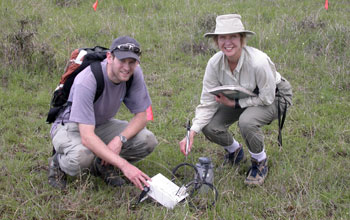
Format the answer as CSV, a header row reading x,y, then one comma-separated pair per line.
x,y
57,178
235,157
257,173
107,173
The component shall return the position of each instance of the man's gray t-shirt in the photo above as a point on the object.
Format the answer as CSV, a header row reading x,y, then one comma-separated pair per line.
x,y
83,109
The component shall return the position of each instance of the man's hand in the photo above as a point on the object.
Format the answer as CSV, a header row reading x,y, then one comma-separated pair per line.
x,y
136,176
224,100
116,146
182,143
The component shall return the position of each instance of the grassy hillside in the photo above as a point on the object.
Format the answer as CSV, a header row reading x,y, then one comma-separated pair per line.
x,y
309,177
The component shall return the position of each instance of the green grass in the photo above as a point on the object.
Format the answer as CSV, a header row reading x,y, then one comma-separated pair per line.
x,y
308,177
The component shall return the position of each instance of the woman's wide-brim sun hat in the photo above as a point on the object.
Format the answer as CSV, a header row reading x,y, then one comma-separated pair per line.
x,y
229,24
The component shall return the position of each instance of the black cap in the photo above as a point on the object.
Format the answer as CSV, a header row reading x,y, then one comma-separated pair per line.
x,y
134,50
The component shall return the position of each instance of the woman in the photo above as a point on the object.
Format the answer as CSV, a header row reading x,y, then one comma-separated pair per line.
x,y
248,67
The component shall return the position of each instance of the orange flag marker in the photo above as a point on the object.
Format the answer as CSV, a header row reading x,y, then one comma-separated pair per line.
x,y
326,5
149,113
95,5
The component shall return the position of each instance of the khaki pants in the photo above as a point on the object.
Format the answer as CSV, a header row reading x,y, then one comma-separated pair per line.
x,y
250,120
74,157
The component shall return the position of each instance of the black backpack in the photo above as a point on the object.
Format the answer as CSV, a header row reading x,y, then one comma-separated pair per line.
x,y
79,60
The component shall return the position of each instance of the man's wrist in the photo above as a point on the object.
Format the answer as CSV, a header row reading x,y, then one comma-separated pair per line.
x,y
237,104
123,139
123,164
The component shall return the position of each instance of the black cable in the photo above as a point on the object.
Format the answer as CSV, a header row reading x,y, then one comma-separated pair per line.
x,y
199,182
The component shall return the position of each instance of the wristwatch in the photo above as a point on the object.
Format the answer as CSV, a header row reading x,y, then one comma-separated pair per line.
x,y
123,139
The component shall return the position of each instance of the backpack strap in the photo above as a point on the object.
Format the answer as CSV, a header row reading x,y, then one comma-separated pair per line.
x,y
128,83
281,115
96,69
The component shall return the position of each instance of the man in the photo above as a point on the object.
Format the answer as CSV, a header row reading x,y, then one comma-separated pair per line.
x,y
86,136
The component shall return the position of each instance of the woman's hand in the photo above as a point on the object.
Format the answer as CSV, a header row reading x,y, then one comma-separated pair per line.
x,y
224,100
182,143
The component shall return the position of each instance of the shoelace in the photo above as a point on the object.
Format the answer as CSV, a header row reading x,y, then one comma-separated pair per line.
x,y
254,169
228,159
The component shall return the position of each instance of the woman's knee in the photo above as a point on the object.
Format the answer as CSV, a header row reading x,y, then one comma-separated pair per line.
x,y
218,135
212,130
246,124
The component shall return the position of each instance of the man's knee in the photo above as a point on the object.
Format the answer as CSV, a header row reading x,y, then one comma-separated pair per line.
x,y
75,163
85,158
147,140
151,142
